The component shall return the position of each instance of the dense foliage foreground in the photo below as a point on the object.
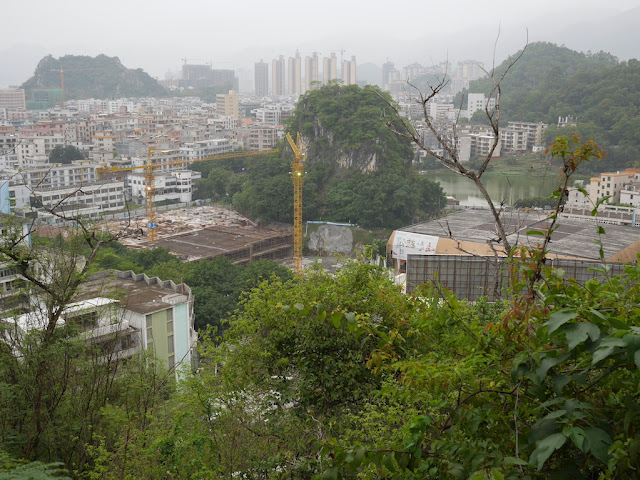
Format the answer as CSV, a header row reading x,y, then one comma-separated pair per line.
x,y
348,377
345,377
333,377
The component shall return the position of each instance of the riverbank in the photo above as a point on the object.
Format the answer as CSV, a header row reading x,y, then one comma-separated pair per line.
x,y
532,164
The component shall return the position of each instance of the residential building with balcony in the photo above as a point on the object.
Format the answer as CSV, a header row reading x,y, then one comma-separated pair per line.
x,y
124,314
263,137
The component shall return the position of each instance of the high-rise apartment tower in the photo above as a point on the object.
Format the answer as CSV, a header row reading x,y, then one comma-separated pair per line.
x,y
310,71
261,73
278,76
295,75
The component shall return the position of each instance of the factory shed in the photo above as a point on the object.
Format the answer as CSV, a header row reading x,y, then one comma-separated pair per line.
x,y
459,252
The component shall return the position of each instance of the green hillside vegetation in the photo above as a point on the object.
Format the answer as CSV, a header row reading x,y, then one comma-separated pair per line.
x,y
602,93
216,283
333,376
66,154
345,376
357,170
92,77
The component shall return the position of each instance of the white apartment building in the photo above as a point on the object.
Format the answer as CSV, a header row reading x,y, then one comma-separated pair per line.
x,y
349,71
278,79
470,69
610,184
478,101
35,150
75,174
533,130
310,71
263,138
481,145
329,68
439,111
295,74
410,72
205,148
125,313
216,125
630,193
577,199
177,185
514,140
90,200
13,99
164,160
268,115
103,148
9,279
8,150
227,104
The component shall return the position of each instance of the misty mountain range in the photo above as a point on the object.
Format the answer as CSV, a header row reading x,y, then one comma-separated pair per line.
x,y
617,34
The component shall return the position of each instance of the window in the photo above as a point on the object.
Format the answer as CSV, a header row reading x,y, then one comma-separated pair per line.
x,y
87,320
149,323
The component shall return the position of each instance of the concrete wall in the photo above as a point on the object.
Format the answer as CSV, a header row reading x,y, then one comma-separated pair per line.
x,y
331,239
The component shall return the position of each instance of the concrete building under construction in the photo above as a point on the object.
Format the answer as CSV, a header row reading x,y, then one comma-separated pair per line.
x,y
196,233
240,244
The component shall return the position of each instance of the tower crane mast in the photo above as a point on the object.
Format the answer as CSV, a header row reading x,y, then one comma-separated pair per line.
x,y
297,175
150,191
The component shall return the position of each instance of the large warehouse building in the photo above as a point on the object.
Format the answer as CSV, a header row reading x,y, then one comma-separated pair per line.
x,y
460,253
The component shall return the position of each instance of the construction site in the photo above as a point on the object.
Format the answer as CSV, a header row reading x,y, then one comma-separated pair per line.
x,y
196,233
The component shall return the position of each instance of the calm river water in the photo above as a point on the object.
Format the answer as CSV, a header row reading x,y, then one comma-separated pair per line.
x,y
502,188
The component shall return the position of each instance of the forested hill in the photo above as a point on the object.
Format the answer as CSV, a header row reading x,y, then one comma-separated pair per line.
x,y
603,94
344,128
357,170
92,77
360,170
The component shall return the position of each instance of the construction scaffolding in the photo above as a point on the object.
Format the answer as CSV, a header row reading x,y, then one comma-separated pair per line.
x,y
471,277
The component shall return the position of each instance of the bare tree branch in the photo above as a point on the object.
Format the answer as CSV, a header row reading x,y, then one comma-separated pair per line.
x,y
450,158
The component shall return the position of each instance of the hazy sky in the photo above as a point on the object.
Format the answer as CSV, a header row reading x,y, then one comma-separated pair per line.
x,y
157,35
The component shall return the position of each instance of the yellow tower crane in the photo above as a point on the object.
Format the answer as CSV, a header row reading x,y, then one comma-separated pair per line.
x,y
297,175
150,187
150,190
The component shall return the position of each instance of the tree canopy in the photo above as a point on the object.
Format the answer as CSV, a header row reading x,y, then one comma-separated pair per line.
x,y
217,284
65,154
357,170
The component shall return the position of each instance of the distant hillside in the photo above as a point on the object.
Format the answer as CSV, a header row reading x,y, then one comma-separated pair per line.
x,y
601,93
92,77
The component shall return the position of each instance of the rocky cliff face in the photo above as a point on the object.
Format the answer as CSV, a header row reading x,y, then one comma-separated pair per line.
x,y
345,127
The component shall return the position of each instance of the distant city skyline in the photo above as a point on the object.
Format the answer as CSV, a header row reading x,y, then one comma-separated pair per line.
x,y
157,36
